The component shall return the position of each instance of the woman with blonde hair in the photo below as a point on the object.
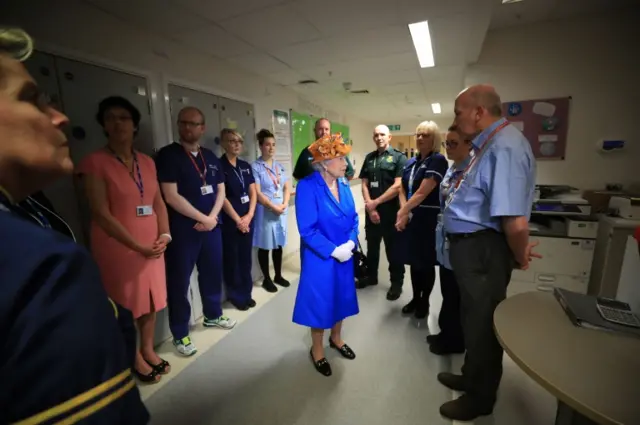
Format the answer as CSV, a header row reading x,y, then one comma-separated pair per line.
x,y
418,215
328,225
60,331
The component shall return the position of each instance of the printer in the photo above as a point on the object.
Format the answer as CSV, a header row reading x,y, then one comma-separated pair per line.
x,y
625,206
560,200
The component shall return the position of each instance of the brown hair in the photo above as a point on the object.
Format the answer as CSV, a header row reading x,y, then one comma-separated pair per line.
x,y
263,135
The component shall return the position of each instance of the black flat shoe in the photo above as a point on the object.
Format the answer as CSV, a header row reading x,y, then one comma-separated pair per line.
x,y
345,351
409,308
321,365
444,348
152,377
252,303
279,280
238,306
268,286
394,293
162,368
421,312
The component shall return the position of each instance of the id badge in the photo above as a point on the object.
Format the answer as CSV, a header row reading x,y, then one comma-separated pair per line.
x,y
144,210
374,184
244,199
446,243
410,217
277,195
206,190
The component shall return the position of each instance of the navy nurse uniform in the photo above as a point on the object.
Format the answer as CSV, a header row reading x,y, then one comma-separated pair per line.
x,y
189,246
326,293
237,246
417,243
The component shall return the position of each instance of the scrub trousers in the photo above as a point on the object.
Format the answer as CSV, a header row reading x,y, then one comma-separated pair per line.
x,y
482,262
238,259
188,249
375,234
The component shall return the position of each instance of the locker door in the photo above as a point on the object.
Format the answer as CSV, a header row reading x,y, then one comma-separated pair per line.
x,y
239,116
82,87
209,104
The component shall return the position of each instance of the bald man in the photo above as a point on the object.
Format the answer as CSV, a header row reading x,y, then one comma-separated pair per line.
x,y
303,166
381,176
486,220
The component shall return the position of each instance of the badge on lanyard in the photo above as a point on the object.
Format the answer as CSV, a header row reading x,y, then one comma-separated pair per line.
x,y
141,210
205,189
275,178
374,184
244,199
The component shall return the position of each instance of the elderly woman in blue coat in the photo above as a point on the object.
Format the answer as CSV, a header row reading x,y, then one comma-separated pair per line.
x,y
328,226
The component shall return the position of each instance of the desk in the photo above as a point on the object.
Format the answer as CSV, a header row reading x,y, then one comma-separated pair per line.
x,y
595,375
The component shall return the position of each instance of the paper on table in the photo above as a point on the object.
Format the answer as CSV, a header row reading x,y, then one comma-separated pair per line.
x,y
544,108
547,138
519,125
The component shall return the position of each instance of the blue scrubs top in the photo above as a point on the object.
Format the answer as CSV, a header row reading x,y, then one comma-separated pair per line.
x,y
52,298
236,183
417,169
500,184
175,165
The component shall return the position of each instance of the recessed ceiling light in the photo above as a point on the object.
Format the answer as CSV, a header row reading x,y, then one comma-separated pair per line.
x,y
435,107
422,43
511,1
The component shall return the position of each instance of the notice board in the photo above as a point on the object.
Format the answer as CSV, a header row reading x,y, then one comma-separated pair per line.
x,y
544,122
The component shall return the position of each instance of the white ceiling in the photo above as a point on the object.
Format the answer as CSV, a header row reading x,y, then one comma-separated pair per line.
x,y
364,42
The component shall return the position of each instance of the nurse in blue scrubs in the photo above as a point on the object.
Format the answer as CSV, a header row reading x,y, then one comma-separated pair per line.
x,y
418,215
192,183
274,190
328,224
237,221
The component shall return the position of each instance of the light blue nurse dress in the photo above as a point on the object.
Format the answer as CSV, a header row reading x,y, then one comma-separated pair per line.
x,y
326,292
270,229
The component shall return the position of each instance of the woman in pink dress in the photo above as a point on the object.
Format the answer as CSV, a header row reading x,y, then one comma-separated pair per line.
x,y
129,227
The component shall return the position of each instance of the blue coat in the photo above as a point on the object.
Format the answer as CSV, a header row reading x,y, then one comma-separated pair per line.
x,y
326,292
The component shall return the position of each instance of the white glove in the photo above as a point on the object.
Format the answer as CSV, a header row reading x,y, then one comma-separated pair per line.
x,y
342,254
349,245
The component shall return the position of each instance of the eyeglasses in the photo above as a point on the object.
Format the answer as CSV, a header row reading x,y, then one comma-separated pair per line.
x,y
451,144
423,135
190,124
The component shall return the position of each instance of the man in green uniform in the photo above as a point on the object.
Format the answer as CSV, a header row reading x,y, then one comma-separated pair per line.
x,y
381,176
303,164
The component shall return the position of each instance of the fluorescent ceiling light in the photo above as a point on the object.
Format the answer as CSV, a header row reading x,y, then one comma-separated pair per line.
x,y
511,1
422,42
435,107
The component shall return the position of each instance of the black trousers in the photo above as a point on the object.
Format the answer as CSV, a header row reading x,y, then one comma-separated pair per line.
x,y
482,263
449,319
422,280
376,233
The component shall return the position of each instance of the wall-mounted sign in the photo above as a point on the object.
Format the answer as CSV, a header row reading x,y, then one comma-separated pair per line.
x,y
394,127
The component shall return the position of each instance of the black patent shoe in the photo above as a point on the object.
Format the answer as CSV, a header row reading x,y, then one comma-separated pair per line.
x,y
345,351
410,308
279,280
268,286
321,365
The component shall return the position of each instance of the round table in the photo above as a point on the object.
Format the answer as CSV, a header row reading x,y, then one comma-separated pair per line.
x,y
594,374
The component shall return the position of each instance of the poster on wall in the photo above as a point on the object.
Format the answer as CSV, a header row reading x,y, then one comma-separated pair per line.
x,y
281,125
544,122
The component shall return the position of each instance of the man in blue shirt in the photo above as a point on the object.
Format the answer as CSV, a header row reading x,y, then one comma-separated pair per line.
x,y
192,183
486,221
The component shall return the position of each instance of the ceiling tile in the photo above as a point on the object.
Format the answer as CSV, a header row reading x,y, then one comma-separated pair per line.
x,y
160,16
304,55
288,77
381,41
439,73
259,63
218,10
277,26
216,41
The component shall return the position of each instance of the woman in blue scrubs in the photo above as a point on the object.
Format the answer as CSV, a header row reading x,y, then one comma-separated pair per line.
x,y
450,339
273,187
328,224
418,215
237,221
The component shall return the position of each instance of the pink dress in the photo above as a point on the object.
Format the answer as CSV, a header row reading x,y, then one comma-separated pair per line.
x,y
132,280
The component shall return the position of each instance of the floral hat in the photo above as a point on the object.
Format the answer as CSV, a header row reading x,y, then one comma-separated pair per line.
x,y
329,147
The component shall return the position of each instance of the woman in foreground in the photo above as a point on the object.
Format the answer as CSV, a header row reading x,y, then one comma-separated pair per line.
x,y
328,225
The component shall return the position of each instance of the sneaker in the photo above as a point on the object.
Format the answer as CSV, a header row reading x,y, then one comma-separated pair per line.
x,y
185,346
222,322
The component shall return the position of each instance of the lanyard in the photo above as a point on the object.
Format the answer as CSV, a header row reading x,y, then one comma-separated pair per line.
x,y
139,183
43,220
275,178
240,177
413,169
471,164
203,173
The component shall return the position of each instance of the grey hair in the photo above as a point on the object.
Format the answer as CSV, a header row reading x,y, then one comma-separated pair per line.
x,y
320,166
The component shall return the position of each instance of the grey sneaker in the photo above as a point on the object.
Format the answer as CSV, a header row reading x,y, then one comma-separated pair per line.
x,y
222,322
185,346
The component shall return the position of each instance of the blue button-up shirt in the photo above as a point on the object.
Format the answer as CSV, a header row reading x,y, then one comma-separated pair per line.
x,y
500,184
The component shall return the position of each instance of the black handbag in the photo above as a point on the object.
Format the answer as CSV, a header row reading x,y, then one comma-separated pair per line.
x,y
360,269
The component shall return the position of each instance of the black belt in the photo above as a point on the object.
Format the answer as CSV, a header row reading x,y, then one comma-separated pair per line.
x,y
460,236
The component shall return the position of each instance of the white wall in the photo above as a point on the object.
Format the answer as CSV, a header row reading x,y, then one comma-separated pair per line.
x,y
86,33
595,61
